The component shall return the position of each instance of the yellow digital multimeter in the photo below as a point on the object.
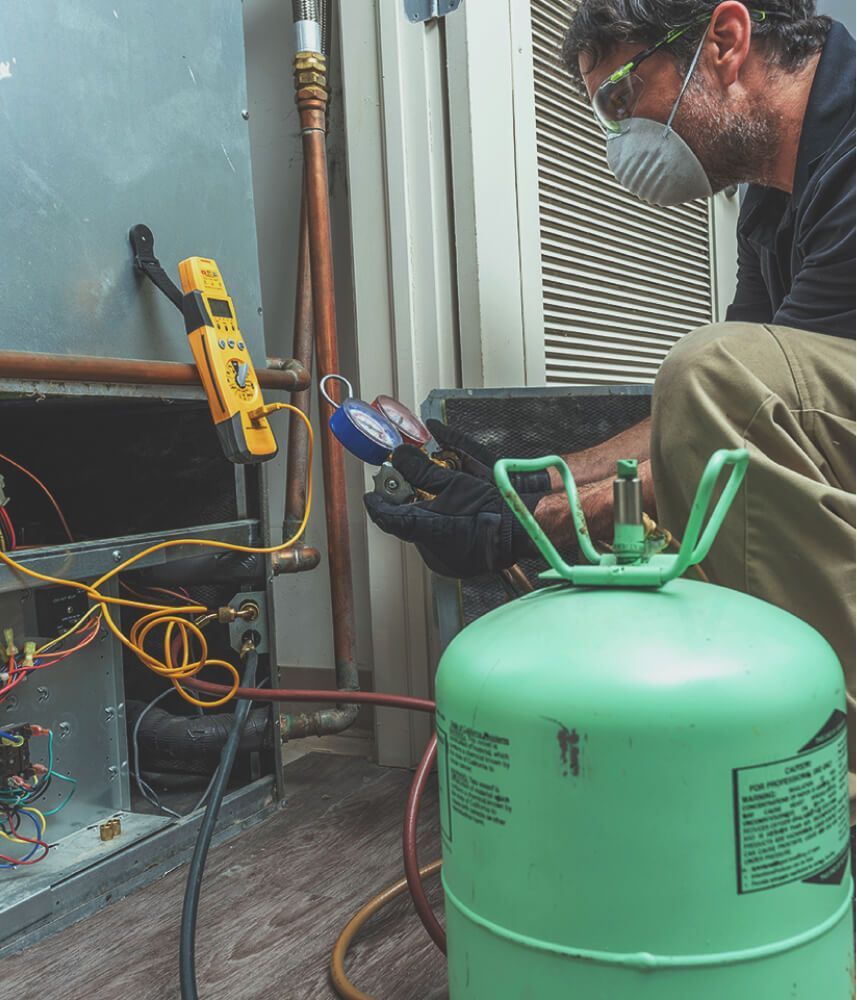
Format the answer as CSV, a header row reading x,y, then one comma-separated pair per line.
x,y
224,363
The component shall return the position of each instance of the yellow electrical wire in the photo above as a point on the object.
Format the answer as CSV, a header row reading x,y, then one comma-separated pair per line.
x,y
67,632
169,616
42,828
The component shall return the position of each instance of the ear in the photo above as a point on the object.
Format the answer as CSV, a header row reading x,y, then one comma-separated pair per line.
x,y
729,32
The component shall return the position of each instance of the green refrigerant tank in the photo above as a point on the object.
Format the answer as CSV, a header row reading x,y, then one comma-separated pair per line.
x,y
643,780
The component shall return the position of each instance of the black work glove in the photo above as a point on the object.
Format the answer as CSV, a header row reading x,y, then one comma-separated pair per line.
x,y
478,460
467,530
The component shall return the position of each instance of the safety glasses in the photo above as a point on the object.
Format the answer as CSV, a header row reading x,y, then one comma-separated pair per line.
x,y
616,99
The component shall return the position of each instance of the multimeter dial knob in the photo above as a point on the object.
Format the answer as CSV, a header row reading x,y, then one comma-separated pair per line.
x,y
240,380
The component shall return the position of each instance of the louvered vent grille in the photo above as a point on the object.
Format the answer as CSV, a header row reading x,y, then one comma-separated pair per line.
x,y
622,281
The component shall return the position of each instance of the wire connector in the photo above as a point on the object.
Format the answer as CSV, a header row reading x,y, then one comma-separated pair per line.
x,y
10,650
29,653
261,412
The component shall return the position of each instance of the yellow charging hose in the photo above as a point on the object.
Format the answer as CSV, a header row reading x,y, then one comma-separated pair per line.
x,y
170,617
341,983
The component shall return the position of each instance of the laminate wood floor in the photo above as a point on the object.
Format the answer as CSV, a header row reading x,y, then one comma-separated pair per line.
x,y
273,903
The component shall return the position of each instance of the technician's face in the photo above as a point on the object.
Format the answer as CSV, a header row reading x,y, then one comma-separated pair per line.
x,y
734,136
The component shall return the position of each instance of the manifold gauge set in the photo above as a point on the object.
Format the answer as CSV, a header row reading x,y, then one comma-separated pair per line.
x,y
372,431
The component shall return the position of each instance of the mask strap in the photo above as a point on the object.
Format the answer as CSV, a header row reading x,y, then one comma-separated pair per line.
x,y
693,63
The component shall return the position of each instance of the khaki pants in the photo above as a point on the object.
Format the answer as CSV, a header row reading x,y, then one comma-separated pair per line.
x,y
788,397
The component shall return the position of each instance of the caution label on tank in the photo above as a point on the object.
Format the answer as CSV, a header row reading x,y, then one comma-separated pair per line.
x,y
476,763
791,815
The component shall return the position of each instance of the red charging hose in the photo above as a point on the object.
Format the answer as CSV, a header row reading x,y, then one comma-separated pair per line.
x,y
409,848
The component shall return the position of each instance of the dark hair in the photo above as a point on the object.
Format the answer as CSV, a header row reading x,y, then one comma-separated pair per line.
x,y
791,33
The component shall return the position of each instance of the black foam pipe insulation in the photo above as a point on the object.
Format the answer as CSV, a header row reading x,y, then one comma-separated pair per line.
x,y
191,744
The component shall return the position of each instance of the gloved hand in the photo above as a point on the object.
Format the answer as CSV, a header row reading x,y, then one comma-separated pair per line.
x,y
467,530
479,461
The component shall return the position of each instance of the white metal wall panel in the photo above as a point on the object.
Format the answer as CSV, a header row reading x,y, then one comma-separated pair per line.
x,y
622,281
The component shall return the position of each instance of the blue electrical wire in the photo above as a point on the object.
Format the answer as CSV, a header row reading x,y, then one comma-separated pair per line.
x,y
36,847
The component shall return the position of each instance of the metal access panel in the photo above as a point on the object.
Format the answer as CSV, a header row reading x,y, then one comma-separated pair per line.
x,y
82,701
524,423
114,112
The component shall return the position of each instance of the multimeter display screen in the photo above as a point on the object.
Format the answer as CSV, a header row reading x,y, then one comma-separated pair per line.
x,y
220,307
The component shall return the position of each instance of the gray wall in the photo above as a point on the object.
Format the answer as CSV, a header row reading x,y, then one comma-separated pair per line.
x,y
843,10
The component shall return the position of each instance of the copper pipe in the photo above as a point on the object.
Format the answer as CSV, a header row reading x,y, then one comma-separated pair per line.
x,y
519,579
297,559
80,368
296,468
311,96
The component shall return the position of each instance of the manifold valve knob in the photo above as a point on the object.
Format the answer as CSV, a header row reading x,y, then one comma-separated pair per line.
x,y
392,485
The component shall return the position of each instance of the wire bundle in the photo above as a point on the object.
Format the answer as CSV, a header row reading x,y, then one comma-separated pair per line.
x,y
18,798
18,667
176,661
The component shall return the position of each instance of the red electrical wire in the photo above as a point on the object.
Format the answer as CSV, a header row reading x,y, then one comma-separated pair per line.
x,y
45,490
89,633
32,861
409,847
8,528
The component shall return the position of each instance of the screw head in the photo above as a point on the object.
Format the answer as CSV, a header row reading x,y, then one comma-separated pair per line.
x,y
43,693
245,114
117,555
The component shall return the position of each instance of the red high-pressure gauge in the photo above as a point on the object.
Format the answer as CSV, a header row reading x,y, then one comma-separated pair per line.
x,y
412,429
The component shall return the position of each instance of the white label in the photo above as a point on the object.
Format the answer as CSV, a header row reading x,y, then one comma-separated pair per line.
x,y
791,817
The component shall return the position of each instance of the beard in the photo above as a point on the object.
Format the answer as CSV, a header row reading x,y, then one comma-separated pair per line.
x,y
733,146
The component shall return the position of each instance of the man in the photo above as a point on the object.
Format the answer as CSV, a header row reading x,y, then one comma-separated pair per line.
x,y
692,98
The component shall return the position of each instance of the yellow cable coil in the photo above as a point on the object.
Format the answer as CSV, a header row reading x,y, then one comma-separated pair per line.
x,y
171,616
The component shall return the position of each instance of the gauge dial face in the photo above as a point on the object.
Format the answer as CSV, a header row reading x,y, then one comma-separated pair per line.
x,y
373,425
405,422
240,379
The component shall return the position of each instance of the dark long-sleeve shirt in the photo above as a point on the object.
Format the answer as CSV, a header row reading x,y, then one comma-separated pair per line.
x,y
796,252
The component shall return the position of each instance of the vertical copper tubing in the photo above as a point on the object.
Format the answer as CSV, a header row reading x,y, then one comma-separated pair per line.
x,y
312,102
296,466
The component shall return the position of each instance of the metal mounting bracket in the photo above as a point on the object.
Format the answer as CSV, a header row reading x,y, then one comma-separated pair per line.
x,y
427,10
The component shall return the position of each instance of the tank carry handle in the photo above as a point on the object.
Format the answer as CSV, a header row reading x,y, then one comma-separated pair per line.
x,y
645,569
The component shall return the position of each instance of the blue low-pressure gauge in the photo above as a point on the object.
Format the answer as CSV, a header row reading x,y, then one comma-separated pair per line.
x,y
361,429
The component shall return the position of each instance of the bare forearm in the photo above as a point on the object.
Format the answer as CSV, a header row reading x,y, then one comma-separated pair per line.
x,y
593,465
596,499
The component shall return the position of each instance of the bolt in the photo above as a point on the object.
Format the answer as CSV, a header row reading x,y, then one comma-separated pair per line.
x,y
43,693
117,555
112,772
390,484
65,729
109,714
245,114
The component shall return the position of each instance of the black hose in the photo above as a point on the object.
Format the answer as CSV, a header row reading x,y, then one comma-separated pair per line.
x,y
190,907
